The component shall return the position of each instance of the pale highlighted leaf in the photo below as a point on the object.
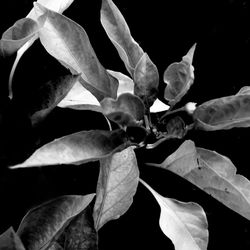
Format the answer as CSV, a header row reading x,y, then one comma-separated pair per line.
x,y
225,112
213,173
158,106
126,84
9,240
77,148
21,32
146,78
118,32
127,109
44,224
179,77
74,51
117,184
184,223
46,98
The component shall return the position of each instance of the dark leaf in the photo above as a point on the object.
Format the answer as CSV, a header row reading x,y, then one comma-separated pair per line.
x,y
78,148
176,127
9,240
179,77
75,52
45,223
80,234
118,32
46,98
127,109
146,78
117,184
224,113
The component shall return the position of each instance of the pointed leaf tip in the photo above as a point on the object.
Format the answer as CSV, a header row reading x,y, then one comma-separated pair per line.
x,y
184,223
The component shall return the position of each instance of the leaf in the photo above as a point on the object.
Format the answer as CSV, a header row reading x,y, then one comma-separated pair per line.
x,y
184,223
118,32
179,77
45,223
158,106
75,52
126,84
9,240
176,128
78,95
213,173
224,113
56,5
77,148
244,91
21,32
46,98
127,109
79,234
146,78
117,184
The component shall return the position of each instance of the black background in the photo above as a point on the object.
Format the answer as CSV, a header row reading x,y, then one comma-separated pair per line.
x,y
165,30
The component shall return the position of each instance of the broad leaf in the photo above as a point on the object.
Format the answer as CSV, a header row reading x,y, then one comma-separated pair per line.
x,y
184,223
213,173
179,77
75,52
146,78
21,32
225,112
79,234
45,223
78,95
9,240
117,184
77,148
118,32
127,109
46,98
126,84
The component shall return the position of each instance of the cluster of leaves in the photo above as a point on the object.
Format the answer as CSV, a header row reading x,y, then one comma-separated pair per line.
x,y
73,221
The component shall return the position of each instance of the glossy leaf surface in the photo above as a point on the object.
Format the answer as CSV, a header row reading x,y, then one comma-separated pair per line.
x,y
9,240
74,51
127,109
46,98
146,78
179,77
213,173
118,32
44,224
224,113
117,184
184,223
77,148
